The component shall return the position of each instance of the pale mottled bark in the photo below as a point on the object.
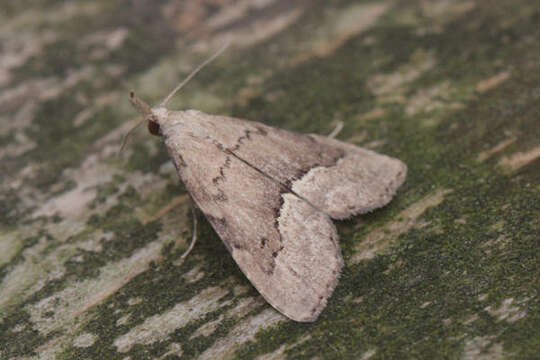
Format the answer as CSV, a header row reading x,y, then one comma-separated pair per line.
x,y
90,242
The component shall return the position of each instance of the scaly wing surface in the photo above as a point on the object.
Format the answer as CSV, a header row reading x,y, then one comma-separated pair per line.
x,y
336,177
287,248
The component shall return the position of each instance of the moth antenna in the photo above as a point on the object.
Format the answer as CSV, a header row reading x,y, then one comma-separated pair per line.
x,y
194,72
126,136
140,105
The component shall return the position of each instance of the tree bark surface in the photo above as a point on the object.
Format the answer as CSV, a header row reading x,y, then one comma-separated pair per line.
x,y
90,241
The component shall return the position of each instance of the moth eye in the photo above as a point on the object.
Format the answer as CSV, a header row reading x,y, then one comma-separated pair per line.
x,y
153,127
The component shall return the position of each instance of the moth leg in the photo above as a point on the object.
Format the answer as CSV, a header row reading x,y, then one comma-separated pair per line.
x,y
194,235
337,130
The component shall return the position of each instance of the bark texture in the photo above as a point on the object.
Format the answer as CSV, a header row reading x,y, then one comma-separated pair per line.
x,y
90,242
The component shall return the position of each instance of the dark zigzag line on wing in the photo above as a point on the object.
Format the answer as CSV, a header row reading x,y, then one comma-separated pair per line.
x,y
283,186
287,186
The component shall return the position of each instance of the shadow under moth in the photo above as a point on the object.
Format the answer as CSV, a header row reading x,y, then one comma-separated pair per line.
x,y
270,194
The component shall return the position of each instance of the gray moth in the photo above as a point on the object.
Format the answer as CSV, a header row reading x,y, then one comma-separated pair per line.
x,y
270,195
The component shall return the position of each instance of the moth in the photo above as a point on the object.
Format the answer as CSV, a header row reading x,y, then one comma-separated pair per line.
x,y
270,194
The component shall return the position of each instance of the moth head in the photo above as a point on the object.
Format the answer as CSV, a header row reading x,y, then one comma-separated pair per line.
x,y
152,121
149,116
152,116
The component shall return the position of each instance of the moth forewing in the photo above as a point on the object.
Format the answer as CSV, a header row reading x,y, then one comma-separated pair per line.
x,y
270,193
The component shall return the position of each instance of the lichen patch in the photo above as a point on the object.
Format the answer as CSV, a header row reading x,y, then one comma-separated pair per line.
x,y
382,237
445,11
84,340
492,82
194,274
30,275
387,86
520,159
174,349
508,311
484,155
123,320
61,310
280,353
368,354
430,99
243,332
18,47
482,348
338,27
10,244
208,328
262,29
158,327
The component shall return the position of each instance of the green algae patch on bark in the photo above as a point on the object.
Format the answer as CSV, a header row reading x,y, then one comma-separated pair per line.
x,y
451,88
